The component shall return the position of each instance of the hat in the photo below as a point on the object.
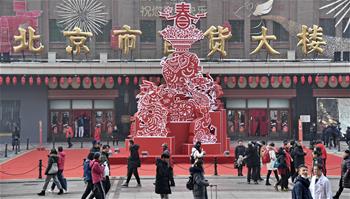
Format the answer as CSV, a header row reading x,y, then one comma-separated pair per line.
x,y
165,145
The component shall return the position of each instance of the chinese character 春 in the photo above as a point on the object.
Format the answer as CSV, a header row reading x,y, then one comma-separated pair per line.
x,y
126,38
263,38
217,37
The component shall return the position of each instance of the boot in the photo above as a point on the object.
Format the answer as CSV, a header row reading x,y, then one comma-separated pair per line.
x,y
267,183
125,185
42,193
61,192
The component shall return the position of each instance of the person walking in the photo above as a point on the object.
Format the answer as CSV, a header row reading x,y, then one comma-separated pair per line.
x,y
171,170
69,134
61,161
301,187
252,161
298,157
283,169
133,163
51,172
320,186
200,183
87,176
344,181
105,161
197,152
97,171
270,165
239,156
163,176
97,133
317,159
261,147
323,155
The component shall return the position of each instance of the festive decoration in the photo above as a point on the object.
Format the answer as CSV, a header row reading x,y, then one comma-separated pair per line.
x,y
264,41
103,81
77,40
69,80
111,80
54,80
217,37
225,80
263,9
250,79
47,80
31,81
325,79
311,39
302,80
287,79
280,79
340,79
136,80
78,80
309,79
317,79
7,80
88,14
333,82
347,79
295,79
272,79
333,78
62,80
22,38
126,38
1,80
257,79
264,82
217,80
94,80
234,80
14,80
23,80
341,7
38,81
127,80
286,82
119,80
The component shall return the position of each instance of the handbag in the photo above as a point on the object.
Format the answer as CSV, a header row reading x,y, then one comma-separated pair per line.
x,y
276,165
53,169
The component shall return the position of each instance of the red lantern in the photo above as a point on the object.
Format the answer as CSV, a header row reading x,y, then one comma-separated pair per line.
x,y
103,81
257,79
62,80
234,80
241,80
295,79
287,79
309,79
23,80
47,80
119,80
8,80
225,80
347,79
38,81
302,80
78,80
54,80
111,80
69,80
340,79
142,78
272,79
250,79
127,80
1,80
263,80
94,80
333,78
317,79
31,80
325,79
217,80
14,80
87,80
136,80
280,79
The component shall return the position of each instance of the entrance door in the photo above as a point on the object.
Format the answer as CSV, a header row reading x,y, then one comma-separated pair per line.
x,y
258,122
82,123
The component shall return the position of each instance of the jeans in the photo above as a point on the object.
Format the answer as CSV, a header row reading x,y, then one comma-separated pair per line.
x,y
136,174
252,174
61,180
88,189
106,184
55,180
99,191
341,188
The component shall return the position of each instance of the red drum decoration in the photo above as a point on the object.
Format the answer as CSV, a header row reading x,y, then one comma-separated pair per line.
x,y
8,80
333,79
110,80
325,79
69,80
119,80
136,80
127,80
225,80
295,79
257,79
94,80
14,80
303,80
234,80
347,79
280,79
317,79
47,80
23,80
78,80
31,80
340,79
1,80
272,79
309,79
38,81
103,81
62,80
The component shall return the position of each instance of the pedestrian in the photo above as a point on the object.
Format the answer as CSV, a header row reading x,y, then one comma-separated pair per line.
x,y
95,147
270,165
97,133
320,186
344,181
317,159
200,183
301,187
163,176
69,134
252,161
239,156
171,170
87,176
97,171
15,136
347,136
328,136
298,157
313,133
292,155
105,161
133,163
61,161
283,168
324,155
261,146
51,172
197,152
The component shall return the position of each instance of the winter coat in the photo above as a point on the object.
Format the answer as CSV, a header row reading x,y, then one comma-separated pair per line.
x,y
105,161
134,158
345,172
323,150
273,158
97,134
53,158
97,171
196,154
299,156
239,150
322,189
317,161
200,183
301,189
87,170
61,160
252,157
162,177
95,149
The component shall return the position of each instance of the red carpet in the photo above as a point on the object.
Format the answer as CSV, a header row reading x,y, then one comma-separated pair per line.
x,y
26,166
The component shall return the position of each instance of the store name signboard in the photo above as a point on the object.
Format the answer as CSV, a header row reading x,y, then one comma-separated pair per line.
x,y
305,118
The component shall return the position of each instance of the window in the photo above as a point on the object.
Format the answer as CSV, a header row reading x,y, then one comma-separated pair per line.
x,y
82,104
346,34
328,26
279,103
60,104
55,33
255,27
257,103
104,104
281,33
237,30
9,115
148,28
238,103
106,32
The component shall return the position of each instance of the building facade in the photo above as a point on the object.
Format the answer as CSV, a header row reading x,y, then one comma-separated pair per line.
x,y
264,95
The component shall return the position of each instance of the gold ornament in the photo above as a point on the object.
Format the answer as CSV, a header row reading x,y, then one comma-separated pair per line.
x,y
263,38
167,48
126,38
32,38
217,37
24,44
310,39
77,40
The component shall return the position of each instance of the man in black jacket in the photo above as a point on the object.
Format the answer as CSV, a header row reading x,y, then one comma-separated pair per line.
x,y
301,187
298,156
253,162
344,181
133,163
239,155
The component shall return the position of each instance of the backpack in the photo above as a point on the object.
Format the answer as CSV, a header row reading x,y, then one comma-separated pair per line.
x,y
266,157
190,183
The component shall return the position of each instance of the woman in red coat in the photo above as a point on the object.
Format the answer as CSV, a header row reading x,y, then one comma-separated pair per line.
x,y
97,133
